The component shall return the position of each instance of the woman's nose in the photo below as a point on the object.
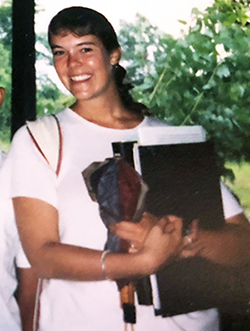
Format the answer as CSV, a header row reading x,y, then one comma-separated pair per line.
x,y
74,59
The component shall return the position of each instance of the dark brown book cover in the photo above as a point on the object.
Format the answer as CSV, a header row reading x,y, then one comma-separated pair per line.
x,y
183,180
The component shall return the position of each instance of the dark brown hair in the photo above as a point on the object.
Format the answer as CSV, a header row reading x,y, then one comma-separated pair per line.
x,y
83,21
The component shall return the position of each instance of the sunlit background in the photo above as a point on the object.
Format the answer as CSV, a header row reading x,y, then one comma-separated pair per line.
x,y
164,14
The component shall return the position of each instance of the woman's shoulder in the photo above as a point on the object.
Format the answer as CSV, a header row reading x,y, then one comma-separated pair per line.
x,y
42,122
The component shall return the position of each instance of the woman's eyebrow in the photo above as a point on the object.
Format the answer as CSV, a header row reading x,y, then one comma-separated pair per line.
x,y
55,46
85,43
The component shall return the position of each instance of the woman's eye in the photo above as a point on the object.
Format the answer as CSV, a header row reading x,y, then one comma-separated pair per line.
x,y
57,53
86,49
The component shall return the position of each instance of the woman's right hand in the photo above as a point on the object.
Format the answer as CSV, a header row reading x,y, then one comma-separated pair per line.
x,y
135,233
163,242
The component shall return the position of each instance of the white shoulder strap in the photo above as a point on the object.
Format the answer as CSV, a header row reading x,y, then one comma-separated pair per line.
x,y
46,135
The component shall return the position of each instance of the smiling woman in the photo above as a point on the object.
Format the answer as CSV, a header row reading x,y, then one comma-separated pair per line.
x,y
86,60
60,226
69,254
84,66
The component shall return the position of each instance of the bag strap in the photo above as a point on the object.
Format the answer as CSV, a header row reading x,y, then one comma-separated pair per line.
x,y
46,134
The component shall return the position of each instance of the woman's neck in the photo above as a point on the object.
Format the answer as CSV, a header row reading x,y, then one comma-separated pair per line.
x,y
107,113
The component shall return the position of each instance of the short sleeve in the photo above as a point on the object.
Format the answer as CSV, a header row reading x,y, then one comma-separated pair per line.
x,y
25,172
10,246
21,259
230,204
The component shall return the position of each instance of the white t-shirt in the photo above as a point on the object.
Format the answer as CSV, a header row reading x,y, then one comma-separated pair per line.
x,y
88,306
10,253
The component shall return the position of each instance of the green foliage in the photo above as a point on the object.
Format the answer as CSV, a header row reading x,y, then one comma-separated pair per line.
x,y
49,98
241,186
202,78
6,24
5,69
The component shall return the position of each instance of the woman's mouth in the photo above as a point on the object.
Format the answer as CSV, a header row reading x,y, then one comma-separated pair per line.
x,y
80,78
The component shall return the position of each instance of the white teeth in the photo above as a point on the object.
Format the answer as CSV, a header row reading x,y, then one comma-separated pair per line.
x,y
79,78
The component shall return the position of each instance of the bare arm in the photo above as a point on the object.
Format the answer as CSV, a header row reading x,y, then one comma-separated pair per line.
x,y
229,245
26,295
239,219
225,271
38,228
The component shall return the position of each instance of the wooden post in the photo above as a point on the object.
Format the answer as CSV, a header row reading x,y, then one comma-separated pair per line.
x,y
23,104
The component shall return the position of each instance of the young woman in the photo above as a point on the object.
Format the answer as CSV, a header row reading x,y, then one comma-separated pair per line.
x,y
60,227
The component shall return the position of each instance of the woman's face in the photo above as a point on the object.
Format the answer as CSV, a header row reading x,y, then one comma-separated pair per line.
x,y
83,65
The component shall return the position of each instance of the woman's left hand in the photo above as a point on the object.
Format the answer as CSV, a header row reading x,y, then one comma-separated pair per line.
x,y
194,243
227,245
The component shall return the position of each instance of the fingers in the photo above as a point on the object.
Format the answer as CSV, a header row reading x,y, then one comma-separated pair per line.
x,y
193,234
128,230
136,233
134,247
192,245
173,223
148,220
191,250
163,241
194,229
170,229
189,240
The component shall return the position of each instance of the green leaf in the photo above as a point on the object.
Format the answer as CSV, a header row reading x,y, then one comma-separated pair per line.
x,y
223,71
182,22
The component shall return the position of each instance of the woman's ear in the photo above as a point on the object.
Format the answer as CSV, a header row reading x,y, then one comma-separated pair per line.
x,y
115,56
